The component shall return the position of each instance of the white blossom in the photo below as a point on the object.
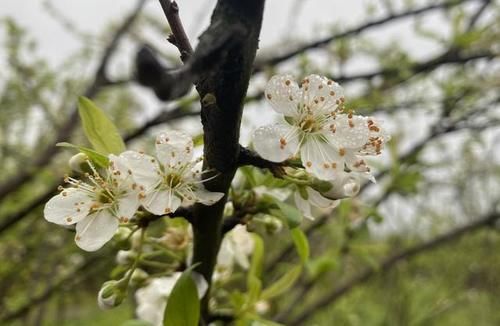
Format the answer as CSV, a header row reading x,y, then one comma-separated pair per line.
x,y
172,179
317,127
236,247
152,299
96,206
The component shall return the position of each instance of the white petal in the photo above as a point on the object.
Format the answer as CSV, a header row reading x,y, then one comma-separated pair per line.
x,y
207,197
119,168
144,168
316,199
68,207
128,205
277,142
284,94
351,132
174,148
347,185
321,158
303,205
161,202
322,93
355,163
95,230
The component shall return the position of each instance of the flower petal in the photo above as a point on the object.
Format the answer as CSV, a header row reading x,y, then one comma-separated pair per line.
x,y
174,148
284,94
303,205
351,131
145,168
128,205
276,142
347,185
321,93
321,158
316,199
95,230
206,197
161,202
68,207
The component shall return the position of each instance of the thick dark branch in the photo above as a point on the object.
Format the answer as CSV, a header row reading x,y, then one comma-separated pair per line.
x,y
327,299
170,84
179,37
222,91
100,80
262,63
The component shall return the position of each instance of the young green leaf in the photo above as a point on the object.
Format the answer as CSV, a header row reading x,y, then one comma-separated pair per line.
x,y
99,129
257,259
97,158
136,322
283,284
288,213
301,243
183,305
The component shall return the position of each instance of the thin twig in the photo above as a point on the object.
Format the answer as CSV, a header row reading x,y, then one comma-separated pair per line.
x,y
179,37
327,299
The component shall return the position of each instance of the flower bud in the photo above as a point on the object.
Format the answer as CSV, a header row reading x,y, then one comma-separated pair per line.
x,y
122,238
111,294
78,163
125,257
273,224
348,186
138,277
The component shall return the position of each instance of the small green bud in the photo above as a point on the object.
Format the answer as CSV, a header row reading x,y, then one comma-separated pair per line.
x,y
112,294
78,163
125,257
138,277
122,238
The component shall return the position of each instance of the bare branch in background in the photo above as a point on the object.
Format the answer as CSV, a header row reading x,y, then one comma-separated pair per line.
x,y
100,80
327,299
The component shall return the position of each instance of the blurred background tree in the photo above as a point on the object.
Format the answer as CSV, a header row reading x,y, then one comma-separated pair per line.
x,y
417,248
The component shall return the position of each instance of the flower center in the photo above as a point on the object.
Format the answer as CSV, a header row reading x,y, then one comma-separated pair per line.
x,y
104,197
309,124
172,180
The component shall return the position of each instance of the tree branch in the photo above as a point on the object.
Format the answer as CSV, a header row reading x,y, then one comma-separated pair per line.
x,y
100,80
222,91
249,157
261,63
327,299
179,37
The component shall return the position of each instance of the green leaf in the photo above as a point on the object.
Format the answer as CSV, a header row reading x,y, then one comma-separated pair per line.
x,y
97,158
254,288
301,244
136,322
99,129
183,305
257,259
288,213
283,284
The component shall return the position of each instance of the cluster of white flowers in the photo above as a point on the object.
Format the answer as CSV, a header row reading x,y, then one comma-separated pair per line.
x,y
316,126
160,185
330,140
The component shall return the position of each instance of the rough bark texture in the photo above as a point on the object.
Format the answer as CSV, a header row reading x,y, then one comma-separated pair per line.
x,y
222,91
